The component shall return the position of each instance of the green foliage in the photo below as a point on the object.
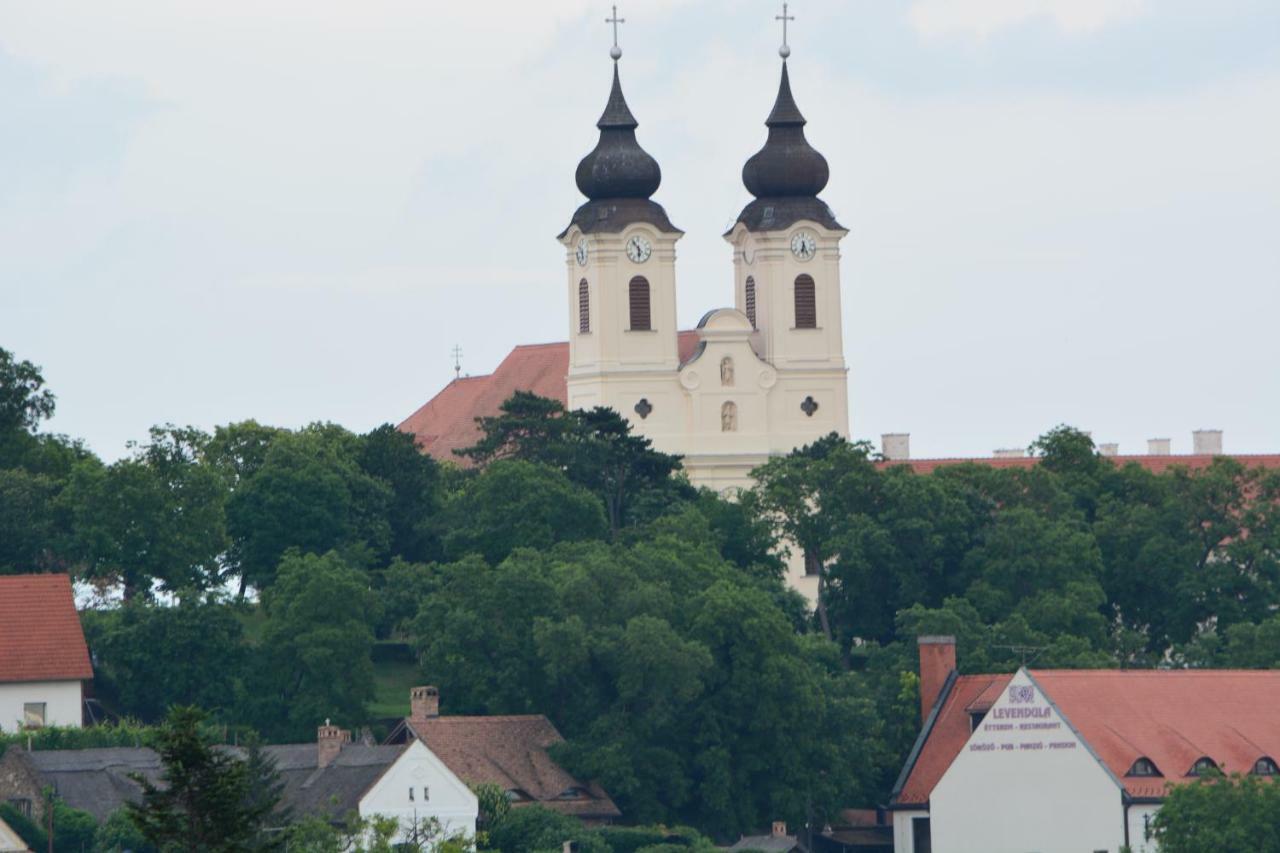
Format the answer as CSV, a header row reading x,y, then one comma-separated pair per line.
x,y
493,803
646,656
595,449
152,657
119,834
124,733
414,477
520,504
313,661
24,401
209,800
1236,814
27,527
354,834
533,828
74,831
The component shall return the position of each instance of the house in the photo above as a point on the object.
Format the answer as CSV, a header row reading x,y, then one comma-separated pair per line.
x,y
1070,760
44,662
507,751
330,778
857,831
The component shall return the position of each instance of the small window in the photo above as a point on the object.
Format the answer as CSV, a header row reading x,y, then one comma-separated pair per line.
x,y
584,307
1143,767
639,292
33,715
751,301
1202,766
1265,767
806,303
426,794
921,836
21,805
516,795
572,794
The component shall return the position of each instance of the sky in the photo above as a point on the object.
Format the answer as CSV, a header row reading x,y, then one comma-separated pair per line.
x,y
1060,211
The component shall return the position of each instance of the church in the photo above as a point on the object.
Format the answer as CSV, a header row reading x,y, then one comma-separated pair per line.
x,y
752,381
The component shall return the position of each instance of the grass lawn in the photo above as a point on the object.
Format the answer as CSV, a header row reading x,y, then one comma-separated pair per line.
x,y
391,683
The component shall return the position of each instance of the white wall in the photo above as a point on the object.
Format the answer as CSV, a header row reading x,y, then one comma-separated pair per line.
x,y
904,830
62,700
447,798
1025,782
1138,829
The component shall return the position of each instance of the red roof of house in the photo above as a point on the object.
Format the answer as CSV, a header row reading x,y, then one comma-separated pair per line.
x,y
1155,464
1170,717
40,634
447,421
511,752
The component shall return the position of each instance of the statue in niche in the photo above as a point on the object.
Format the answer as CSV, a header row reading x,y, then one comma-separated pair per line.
x,y
729,417
726,372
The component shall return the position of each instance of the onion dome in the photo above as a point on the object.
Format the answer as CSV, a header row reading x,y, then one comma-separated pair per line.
x,y
787,174
618,176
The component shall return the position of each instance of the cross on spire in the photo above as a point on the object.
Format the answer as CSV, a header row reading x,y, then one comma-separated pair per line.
x,y
615,51
457,361
785,50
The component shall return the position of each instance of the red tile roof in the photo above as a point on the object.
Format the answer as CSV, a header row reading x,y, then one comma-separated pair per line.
x,y
1171,717
1155,464
40,634
447,421
511,752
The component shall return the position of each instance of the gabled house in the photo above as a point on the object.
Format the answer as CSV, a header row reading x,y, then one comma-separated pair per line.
x,y
9,840
44,662
331,778
1070,760
508,751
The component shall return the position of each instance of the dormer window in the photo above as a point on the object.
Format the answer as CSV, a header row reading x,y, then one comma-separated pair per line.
x,y
515,795
1265,766
1202,766
1143,767
574,793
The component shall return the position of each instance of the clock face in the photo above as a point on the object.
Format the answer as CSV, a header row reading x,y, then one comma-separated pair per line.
x,y
581,252
803,245
638,249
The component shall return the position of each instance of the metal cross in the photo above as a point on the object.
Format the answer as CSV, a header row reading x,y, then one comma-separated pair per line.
x,y
785,50
615,20
457,361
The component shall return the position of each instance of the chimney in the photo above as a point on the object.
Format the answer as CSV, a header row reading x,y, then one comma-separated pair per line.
x,y
1206,442
1157,447
1111,449
896,446
779,829
1009,453
937,660
329,742
424,702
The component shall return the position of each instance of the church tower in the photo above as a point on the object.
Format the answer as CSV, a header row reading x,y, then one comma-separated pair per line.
x,y
620,262
787,274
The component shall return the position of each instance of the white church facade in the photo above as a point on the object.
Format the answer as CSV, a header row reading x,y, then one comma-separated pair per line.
x,y
752,381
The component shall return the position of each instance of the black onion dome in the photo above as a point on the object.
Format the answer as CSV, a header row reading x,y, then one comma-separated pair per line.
x,y
618,176
787,174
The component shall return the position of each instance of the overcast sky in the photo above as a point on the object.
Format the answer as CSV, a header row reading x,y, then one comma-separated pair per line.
x,y
291,210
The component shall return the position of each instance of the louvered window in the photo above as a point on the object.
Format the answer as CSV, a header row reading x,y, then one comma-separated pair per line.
x,y
751,301
806,306
584,307
640,304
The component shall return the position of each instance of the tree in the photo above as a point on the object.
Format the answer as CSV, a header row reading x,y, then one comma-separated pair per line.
x,y
313,661
519,504
204,802
157,517
24,401
309,493
1236,814
414,478
595,449
151,657
27,523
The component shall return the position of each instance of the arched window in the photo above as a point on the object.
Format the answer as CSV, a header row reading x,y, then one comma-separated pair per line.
x,y
1265,767
584,307
1202,766
639,291
806,303
751,301
1143,767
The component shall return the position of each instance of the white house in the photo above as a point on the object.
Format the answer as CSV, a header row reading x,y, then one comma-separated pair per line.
x,y
1070,760
418,786
44,662
755,380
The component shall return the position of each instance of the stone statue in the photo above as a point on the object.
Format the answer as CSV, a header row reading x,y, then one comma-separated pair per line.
x,y
726,371
729,417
